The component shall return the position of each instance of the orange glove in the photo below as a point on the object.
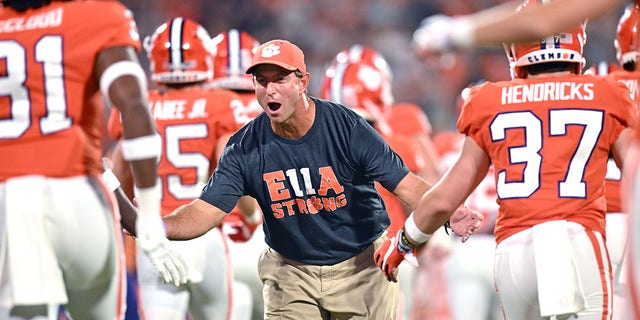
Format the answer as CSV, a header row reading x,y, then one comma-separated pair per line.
x,y
392,252
238,227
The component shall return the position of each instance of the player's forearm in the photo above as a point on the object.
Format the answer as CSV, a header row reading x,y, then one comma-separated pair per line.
x,y
433,211
142,154
499,27
441,201
144,172
123,85
128,212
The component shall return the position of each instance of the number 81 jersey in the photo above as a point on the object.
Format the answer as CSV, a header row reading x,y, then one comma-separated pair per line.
x,y
549,140
50,106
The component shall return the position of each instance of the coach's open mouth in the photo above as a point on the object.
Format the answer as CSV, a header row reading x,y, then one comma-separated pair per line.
x,y
274,106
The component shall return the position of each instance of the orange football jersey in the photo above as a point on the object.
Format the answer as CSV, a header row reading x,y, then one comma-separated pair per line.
x,y
50,118
405,147
549,140
190,123
409,119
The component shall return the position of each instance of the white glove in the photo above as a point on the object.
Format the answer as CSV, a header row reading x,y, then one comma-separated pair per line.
x,y
151,238
440,33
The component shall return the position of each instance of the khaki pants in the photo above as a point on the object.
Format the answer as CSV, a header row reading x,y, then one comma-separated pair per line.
x,y
352,289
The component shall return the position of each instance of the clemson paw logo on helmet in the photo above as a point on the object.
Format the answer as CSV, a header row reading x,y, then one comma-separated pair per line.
x,y
270,51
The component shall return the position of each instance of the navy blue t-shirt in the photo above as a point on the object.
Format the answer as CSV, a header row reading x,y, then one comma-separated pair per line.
x,y
317,193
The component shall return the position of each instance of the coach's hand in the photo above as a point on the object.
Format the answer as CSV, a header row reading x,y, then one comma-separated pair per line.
x,y
389,256
152,240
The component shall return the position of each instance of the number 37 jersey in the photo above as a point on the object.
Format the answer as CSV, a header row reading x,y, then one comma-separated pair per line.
x,y
50,106
549,140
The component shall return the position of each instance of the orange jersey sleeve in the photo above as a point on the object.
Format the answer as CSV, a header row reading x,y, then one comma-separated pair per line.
x,y
190,123
50,106
549,141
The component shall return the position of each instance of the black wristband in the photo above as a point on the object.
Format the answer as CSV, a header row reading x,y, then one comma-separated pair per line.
x,y
404,245
447,226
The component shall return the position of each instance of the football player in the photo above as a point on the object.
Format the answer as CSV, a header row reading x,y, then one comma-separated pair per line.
x,y
625,250
624,71
195,123
61,241
548,133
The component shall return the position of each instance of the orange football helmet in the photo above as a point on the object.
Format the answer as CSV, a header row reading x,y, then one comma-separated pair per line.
x,y
179,52
360,78
561,47
233,54
627,41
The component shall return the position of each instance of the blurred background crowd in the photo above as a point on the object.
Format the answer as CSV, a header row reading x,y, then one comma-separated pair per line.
x,y
322,28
